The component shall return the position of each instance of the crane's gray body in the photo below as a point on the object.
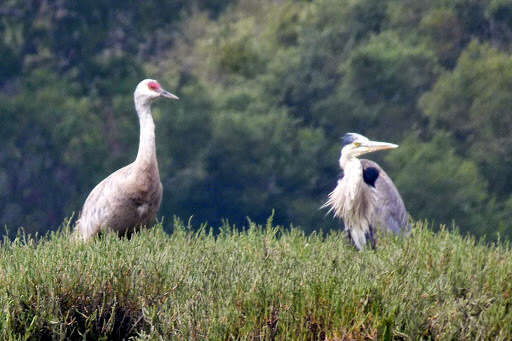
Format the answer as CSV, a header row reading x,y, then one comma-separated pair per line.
x,y
123,202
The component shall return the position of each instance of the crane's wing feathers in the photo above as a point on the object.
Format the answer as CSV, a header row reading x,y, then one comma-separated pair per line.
x,y
117,204
98,208
391,214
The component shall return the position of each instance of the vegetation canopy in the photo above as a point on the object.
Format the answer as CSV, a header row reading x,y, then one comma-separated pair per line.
x,y
260,282
267,89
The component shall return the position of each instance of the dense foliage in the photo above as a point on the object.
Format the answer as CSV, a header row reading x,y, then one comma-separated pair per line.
x,y
263,283
267,89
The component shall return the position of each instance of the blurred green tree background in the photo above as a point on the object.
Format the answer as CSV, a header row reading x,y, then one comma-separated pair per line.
x,y
267,89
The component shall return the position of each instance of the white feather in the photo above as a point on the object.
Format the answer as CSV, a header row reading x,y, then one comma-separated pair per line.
x,y
351,203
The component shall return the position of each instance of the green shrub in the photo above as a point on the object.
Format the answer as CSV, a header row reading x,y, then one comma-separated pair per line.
x,y
263,283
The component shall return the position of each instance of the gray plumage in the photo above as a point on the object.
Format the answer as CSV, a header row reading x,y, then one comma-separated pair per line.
x,y
365,198
130,197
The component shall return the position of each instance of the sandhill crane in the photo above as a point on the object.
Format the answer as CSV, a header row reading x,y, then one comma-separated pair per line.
x,y
130,197
365,197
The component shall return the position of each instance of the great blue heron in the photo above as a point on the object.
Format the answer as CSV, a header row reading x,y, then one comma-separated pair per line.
x,y
365,197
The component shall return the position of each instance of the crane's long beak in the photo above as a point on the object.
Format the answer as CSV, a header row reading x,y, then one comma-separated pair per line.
x,y
167,94
373,146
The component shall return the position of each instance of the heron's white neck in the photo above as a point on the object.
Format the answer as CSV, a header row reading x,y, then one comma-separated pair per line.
x,y
352,182
348,161
349,198
146,154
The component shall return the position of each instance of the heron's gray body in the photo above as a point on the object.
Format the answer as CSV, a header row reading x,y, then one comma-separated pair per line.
x,y
366,199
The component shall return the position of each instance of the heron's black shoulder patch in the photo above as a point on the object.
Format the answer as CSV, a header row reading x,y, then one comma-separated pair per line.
x,y
370,175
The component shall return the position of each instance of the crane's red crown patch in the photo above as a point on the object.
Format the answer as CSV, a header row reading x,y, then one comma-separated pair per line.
x,y
153,86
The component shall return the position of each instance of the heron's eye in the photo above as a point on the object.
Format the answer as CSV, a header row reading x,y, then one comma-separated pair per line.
x,y
153,86
357,144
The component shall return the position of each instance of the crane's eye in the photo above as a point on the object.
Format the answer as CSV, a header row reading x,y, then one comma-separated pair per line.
x,y
357,144
153,86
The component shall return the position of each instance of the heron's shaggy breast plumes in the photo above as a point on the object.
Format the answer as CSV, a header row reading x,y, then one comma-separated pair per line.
x,y
351,203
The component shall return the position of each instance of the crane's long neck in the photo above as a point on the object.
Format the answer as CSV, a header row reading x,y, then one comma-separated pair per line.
x,y
146,155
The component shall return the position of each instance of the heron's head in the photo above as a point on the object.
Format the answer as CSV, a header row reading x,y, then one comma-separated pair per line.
x,y
149,89
354,145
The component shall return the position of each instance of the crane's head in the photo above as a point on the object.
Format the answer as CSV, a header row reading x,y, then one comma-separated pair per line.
x,y
354,145
149,89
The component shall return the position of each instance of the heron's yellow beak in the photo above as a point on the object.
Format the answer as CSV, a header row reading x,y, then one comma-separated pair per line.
x,y
373,146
